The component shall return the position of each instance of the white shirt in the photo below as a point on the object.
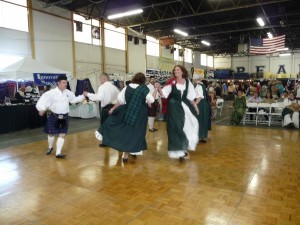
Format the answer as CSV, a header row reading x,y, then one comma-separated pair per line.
x,y
107,94
287,102
121,96
57,101
191,94
199,91
152,89
297,87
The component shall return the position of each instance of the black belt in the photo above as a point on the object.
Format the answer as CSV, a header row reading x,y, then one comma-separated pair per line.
x,y
60,116
107,106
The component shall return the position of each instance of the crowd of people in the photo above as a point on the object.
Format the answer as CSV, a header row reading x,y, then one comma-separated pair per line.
x,y
188,107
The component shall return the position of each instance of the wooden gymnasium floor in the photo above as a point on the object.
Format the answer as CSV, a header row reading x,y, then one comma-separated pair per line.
x,y
241,176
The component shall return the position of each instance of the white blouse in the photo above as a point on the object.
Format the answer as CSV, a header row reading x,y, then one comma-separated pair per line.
x,y
191,94
121,96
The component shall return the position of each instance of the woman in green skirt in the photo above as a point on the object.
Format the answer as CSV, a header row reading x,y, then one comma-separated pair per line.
x,y
125,129
239,108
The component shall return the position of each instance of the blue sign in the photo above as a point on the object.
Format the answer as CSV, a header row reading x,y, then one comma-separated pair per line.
x,y
43,79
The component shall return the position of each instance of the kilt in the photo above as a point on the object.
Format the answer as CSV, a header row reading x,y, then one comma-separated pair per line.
x,y
50,128
153,110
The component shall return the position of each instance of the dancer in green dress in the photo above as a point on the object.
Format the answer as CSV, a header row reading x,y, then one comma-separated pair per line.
x,y
239,108
125,129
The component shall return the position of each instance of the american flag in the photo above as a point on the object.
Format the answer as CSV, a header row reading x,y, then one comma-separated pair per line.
x,y
263,46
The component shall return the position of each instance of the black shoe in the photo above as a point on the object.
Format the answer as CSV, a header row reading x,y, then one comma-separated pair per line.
x,y
290,126
125,160
133,156
186,155
181,159
49,151
203,140
102,145
151,130
61,156
155,129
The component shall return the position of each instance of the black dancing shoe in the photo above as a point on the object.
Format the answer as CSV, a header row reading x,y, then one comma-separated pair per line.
x,y
125,160
155,129
102,145
133,156
152,130
181,159
49,151
61,156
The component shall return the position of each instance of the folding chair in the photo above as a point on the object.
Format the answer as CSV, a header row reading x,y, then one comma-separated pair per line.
x,y
248,114
276,115
263,110
220,103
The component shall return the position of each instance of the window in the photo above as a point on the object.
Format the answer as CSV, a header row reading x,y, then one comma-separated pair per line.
x,y
210,61
203,60
152,46
188,55
86,31
114,37
177,53
14,15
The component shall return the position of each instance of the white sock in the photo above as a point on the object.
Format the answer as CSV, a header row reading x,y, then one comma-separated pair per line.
x,y
59,144
150,122
50,141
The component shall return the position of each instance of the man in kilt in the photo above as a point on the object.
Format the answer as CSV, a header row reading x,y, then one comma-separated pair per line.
x,y
152,109
57,102
107,94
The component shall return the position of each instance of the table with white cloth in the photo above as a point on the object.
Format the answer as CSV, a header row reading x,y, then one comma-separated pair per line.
x,y
84,110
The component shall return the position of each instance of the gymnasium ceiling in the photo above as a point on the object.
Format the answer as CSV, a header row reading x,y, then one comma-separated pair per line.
x,y
224,23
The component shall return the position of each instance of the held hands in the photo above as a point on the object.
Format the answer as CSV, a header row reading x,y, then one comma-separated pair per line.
x,y
157,86
85,94
41,113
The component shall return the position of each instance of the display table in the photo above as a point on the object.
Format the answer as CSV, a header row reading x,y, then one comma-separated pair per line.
x,y
85,111
19,117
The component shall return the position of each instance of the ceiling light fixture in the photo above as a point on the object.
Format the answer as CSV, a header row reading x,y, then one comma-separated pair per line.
x,y
205,43
129,13
260,22
282,49
180,32
285,54
270,35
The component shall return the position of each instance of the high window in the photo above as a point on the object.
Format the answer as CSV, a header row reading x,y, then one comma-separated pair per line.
x,y
152,47
114,37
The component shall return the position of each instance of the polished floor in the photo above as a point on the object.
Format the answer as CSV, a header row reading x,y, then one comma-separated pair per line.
x,y
241,176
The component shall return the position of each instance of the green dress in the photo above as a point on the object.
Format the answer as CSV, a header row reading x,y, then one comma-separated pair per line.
x,y
118,134
177,139
239,108
204,114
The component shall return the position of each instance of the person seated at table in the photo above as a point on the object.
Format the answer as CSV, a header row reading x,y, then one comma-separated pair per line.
x,y
254,99
290,112
239,108
268,99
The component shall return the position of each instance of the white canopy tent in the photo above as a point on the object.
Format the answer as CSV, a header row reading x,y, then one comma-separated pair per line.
x,y
26,67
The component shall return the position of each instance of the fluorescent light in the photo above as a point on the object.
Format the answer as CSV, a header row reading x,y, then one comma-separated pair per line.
x,y
180,32
129,13
205,43
283,49
285,54
260,22
270,35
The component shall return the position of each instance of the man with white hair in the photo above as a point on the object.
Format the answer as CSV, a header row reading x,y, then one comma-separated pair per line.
x,y
107,94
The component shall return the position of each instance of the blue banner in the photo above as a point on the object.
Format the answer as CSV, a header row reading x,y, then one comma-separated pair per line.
x,y
43,79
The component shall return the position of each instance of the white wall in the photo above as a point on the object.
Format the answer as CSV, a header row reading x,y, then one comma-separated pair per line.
x,y
13,42
53,37
270,65
136,57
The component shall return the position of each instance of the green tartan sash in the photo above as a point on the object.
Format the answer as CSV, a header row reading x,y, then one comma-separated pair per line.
x,y
135,104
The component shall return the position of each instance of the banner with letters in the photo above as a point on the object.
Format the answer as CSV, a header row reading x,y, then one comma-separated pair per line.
x,y
43,79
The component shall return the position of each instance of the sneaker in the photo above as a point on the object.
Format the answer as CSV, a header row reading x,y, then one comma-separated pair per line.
x,y
151,130
61,156
49,151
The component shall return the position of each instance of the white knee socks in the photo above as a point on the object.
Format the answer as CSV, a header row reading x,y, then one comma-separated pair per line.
x,y
151,122
50,141
59,144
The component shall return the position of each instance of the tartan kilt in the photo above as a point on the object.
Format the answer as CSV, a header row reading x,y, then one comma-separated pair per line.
x,y
50,128
153,110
